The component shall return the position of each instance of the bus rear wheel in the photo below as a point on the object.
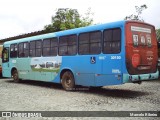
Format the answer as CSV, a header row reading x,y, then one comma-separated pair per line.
x,y
68,82
15,76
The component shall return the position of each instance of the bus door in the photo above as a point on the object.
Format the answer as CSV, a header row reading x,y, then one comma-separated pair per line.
x,y
112,58
5,61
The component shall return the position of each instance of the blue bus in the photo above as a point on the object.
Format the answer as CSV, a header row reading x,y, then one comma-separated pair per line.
x,y
1,48
99,55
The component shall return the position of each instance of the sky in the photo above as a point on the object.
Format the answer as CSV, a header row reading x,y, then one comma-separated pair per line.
x,y
24,16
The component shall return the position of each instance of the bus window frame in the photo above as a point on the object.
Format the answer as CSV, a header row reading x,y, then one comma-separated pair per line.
x,y
7,56
90,42
31,50
35,48
38,48
103,47
50,47
14,51
23,51
67,45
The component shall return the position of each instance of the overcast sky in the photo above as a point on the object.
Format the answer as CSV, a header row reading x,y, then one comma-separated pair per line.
x,y
24,16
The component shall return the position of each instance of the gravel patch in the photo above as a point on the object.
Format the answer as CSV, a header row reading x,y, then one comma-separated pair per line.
x,y
42,96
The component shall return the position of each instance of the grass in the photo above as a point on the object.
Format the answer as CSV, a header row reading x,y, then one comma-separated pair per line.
x,y
46,70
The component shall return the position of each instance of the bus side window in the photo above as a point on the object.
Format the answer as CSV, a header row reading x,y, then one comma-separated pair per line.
x,y
13,50
90,43
23,49
83,43
26,49
107,47
50,47
5,55
116,48
54,47
46,47
95,42
20,50
38,48
63,45
112,41
68,45
32,49
72,45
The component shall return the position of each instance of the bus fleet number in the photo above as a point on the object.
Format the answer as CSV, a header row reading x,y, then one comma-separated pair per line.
x,y
115,57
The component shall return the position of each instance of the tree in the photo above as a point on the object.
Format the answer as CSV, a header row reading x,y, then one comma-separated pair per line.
x,y
66,18
137,16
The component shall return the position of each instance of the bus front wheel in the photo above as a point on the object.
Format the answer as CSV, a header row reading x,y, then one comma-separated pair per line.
x,y
68,82
15,76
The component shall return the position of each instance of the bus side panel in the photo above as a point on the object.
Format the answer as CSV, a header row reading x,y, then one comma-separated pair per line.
x,y
85,79
38,68
111,70
108,79
23,66
85,67
6,72
45,68
94,70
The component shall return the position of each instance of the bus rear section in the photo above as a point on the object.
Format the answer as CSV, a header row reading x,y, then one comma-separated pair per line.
x,y
141,52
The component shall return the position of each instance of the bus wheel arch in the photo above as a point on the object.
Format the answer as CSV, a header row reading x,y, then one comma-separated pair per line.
x,y
67,80
15,75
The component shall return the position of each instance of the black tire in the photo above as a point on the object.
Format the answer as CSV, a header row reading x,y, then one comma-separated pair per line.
x,y
15,76
68,82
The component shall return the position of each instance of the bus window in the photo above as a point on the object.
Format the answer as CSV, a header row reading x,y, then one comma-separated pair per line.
x,y
32,49
35,48
13,50
54,46
68,45
5,55
90,43
84,43
38,48
95,42
50,47
20,50
46,47
23,49
72,45
26,49
112,41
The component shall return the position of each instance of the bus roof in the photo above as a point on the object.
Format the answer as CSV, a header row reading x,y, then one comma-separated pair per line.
x,y
73,31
